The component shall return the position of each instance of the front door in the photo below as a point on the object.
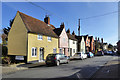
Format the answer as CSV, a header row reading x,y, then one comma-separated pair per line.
x,y
41,58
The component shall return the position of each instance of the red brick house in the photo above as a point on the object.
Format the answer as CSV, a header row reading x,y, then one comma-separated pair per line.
x,y
87,43
92,44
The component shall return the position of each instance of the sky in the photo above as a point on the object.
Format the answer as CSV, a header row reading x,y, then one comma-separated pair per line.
x,y
105,27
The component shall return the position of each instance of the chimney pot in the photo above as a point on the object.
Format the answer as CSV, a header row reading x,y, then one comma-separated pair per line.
x,y
68,31
47,19
73,33
62,25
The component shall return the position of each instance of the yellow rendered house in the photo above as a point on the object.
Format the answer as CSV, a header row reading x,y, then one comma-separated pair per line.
x,y
31,38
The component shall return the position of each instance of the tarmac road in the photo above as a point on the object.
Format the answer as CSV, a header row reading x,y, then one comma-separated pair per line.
x,y
75,69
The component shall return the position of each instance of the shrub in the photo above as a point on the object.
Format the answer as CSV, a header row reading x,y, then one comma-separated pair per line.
x,y
6,60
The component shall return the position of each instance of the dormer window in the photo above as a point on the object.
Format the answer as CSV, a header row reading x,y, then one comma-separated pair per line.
x,y
49,38
40,37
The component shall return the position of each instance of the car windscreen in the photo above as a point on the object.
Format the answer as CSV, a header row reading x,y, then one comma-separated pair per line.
x,y
51,55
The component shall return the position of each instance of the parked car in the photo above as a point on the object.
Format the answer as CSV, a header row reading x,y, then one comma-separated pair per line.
x,y
110,53
105,51
100,53
56,59
90,54
79,55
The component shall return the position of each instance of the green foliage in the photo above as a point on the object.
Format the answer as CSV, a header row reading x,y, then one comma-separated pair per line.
x,y
4,50
6,60
97,45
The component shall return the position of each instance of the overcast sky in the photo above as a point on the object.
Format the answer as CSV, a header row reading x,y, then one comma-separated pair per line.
x,y
102,26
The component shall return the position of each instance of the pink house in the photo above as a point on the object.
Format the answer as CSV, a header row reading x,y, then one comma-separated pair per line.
x,y
63,39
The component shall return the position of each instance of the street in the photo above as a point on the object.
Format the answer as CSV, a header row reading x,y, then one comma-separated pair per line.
x,y
75,69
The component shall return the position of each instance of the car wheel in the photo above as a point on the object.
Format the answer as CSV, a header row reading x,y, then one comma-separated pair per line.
x,y
67,61
58,63
47,64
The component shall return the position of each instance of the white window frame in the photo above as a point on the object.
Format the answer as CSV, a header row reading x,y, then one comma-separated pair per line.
x,y
60,50
73,50
49,38
55,49
40,37
34,52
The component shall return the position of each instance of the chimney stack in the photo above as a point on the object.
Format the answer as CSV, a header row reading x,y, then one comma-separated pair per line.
x,y
102,40
68,31
98,39
73,33
62,25
47,19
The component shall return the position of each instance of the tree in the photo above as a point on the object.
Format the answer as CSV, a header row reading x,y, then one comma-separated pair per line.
x,y
97,45
6,30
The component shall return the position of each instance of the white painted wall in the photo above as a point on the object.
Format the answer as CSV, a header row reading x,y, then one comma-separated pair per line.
x,y
73,46
82,45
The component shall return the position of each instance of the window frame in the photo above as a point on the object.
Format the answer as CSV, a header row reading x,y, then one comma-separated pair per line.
x,y
40,37
35,51
55,49
49,38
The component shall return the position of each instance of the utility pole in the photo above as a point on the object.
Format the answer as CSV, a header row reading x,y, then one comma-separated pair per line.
x,y
79,28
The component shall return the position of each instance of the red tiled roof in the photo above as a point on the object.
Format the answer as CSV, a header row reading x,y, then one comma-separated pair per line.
x,y
37,26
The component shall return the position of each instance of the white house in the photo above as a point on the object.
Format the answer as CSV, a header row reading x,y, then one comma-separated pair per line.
x,y
80,44
72,43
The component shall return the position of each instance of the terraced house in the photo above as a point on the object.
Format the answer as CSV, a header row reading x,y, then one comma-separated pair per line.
x,y
72,43
80,44
92,44
31,38
63,39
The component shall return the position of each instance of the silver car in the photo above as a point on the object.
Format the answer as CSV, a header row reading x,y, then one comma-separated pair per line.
x,y
79,55
56,59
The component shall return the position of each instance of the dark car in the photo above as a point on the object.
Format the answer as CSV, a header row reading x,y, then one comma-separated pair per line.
x,y
56,59
105,52
99,53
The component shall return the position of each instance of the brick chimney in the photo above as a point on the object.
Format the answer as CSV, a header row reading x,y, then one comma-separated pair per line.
x,y
102,40
98,39
73,33
62,25
47,19
68,31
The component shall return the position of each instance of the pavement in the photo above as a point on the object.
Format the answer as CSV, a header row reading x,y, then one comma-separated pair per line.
x,y
20,66
109,71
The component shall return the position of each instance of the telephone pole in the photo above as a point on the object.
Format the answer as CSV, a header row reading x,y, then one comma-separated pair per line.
x,y
79,27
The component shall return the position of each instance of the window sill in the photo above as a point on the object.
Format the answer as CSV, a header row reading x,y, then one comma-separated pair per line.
x,y
34,56
49,41
40,39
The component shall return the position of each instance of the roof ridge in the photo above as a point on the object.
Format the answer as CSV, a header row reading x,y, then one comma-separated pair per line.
x,y
36,25
30,16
